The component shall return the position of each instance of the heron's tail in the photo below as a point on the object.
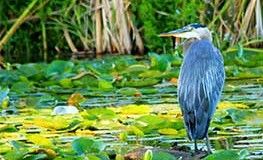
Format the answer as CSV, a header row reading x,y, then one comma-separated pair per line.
x,y
197,125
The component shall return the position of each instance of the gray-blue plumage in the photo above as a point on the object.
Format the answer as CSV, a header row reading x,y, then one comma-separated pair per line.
x,y
201,80
200,84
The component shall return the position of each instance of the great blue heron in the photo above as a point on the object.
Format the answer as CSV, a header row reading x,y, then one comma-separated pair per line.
x,y
201,80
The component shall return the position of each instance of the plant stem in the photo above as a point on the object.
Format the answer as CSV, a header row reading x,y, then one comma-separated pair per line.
x,y
98,29
17,24
44,39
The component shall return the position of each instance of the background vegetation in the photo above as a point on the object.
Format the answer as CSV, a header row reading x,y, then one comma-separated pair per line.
x,y
107,108
42,30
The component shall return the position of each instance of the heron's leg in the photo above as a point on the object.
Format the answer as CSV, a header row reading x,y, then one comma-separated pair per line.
x,y
196,148
208,144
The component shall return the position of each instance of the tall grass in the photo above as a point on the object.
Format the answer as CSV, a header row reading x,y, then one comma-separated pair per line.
x,y
87,28
93,28
237,22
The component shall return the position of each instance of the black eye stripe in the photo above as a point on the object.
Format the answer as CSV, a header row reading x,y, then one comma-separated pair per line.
x,y
196,25
193,26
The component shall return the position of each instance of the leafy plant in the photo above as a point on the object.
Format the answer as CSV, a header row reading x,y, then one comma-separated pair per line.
x,y
89,147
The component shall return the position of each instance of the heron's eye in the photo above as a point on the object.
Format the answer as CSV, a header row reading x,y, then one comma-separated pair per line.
x,y
190,28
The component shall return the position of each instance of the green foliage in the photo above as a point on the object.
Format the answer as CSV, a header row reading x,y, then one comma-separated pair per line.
x,y
3,96
106,74
158,16
162,155
128,91
151,123
122,123
86,145
246,65
16,154
17,145
100,113
148,155
228,154
27,43
243,154
59,68
8,128
146,116
239,116
32,71
22,87
249,57
103,84
40,140
138,133
53,28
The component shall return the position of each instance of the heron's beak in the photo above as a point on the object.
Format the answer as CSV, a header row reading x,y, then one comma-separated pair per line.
x,y
185,32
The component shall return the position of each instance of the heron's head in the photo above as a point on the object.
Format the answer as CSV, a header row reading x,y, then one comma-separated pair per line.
x,y
191,31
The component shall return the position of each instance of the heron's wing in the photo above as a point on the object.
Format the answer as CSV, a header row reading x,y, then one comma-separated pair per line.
x,y
200,84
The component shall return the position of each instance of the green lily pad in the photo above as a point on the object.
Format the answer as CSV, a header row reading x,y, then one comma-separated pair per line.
x,y
136,131
239,116
162,155
16,154
8,128
150,74
59,67
223,155
34,71
3,94
87,145
22,87
128,91
103,84
65,83
138,82
160,62
100,113
150,123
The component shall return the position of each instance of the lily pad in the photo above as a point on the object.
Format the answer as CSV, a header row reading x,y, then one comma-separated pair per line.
x,y
162,155
40,140
16,154
128,91
87,145
168,131
59,67
135,109
239,116
223,155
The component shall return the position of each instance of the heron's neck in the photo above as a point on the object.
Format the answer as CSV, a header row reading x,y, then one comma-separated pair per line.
x,y
205,35
188,43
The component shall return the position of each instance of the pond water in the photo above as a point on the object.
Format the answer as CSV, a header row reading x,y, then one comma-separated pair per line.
x,y
237,137
162,99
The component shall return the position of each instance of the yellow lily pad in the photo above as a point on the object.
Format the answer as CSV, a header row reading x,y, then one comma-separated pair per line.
x,y
136,109
57,122
40,140
168,131
227,105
